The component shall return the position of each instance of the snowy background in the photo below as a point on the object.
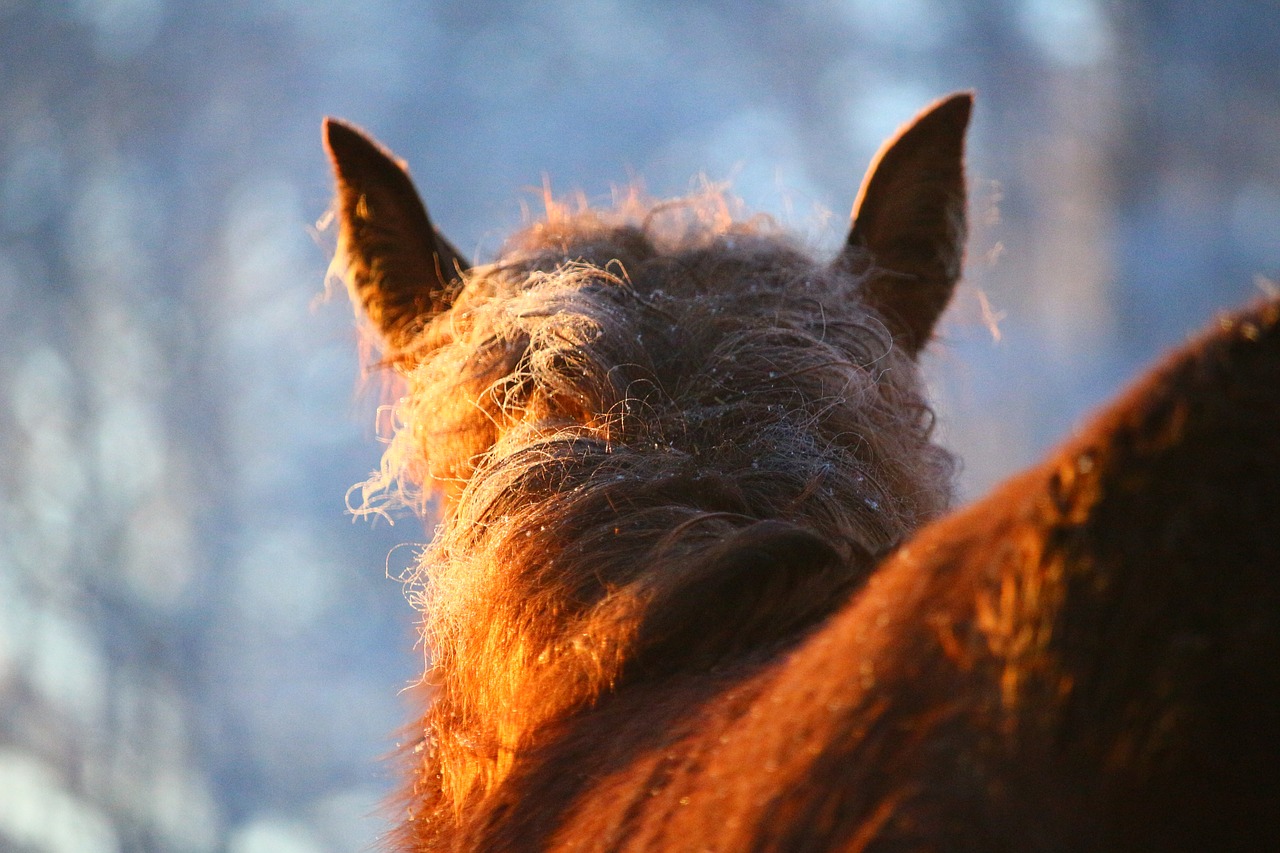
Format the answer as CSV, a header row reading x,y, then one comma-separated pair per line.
x,y
199,650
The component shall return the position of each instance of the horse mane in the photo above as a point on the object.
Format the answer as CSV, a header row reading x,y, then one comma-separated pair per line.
x,y
625,412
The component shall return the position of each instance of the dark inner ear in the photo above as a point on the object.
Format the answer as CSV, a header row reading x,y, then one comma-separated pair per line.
x,y
400,271
909,225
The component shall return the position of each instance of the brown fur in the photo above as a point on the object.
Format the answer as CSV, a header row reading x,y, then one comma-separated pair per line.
x,y
676,447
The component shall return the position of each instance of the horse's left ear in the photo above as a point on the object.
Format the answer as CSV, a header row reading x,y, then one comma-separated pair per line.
x,y
399,269
909,226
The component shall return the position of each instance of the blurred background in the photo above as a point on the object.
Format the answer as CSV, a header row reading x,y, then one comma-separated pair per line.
x,y
199,649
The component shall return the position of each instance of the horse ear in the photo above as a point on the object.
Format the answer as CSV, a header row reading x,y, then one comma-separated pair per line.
x,y
399,269
909,226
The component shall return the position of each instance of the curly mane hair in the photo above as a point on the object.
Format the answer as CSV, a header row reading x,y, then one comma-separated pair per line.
x,y
642,436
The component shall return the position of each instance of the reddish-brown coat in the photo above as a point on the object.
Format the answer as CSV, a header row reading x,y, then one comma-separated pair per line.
x,y
692,591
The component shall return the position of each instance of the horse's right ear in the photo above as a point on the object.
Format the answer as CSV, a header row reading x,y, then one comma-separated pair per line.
x,y
398,268
908,228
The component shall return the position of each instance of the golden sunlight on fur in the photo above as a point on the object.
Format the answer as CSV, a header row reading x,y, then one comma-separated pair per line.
x,y
695,586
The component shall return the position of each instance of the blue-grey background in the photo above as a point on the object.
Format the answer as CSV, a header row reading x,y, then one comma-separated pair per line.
x,y
199,650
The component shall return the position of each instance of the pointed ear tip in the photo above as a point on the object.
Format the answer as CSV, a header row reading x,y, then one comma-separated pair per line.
x,y
955,108
332,131
336,131
344,138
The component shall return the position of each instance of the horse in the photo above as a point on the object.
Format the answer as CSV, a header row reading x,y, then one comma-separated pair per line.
x,y
698,582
